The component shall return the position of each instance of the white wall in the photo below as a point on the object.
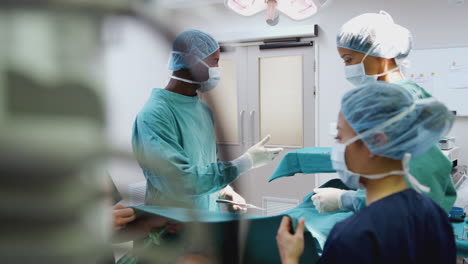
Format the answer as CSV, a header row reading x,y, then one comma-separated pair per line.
x,y
434,24
135,62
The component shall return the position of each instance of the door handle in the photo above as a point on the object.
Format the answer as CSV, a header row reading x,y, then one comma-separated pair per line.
x,y
252,122
241,118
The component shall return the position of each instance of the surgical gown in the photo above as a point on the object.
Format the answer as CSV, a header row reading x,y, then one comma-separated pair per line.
x,y
405,227
174,142
432,169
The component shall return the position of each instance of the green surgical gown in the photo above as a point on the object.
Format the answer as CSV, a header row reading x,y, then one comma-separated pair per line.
x,y
174,143
433,168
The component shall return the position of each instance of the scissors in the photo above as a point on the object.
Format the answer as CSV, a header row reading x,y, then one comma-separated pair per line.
x,y
247,206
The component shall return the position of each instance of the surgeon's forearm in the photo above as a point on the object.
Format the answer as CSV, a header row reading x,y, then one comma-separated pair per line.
x,y
243,163
353,200
347,200
197,180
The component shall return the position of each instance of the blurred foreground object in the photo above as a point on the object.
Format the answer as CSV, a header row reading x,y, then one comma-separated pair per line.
x,y
54,195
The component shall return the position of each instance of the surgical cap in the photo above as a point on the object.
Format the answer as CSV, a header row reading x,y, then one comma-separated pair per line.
x,y
377,35
189,46
368,107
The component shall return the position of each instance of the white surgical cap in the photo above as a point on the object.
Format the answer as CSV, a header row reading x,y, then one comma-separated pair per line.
x,y
375,34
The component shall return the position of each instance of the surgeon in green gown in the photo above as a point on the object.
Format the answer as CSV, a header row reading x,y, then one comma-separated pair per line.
x,y
174,137
373,48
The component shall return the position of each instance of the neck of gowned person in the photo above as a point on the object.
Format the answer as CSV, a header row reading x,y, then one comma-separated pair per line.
x,y
392,76
377,189
181,87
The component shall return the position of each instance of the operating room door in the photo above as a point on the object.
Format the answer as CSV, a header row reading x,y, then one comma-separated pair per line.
x,y
281,103
266,90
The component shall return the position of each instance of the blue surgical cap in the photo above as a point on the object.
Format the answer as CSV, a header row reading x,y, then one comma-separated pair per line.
x,y
377,35
370,106
190,46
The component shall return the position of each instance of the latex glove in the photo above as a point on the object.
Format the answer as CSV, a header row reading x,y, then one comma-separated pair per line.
x,y
290,245
229,194
327,200
256,156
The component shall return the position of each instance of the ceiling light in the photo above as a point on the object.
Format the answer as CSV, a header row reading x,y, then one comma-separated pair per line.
x,y
246,7
294,9
297,9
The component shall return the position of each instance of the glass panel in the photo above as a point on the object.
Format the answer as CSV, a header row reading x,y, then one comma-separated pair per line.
x,y
223,102
281,100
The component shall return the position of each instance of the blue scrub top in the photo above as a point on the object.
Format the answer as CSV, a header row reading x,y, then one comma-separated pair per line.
x,y
174,142
406,227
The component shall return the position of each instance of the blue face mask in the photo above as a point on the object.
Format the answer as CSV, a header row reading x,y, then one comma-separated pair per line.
x,y
356,74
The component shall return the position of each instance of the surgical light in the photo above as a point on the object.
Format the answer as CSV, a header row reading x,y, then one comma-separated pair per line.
x,y
246,7
294,9
297,9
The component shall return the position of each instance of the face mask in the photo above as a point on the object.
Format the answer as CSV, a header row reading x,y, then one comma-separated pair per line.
x,y
338,159
351,179
214,76
356,74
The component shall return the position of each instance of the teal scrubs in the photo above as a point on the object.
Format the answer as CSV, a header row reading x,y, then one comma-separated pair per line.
x,y
432,169
174,143
259,244
306,160
462,245
417,91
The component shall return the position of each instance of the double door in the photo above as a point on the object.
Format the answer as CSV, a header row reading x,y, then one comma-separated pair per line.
x,y
266,90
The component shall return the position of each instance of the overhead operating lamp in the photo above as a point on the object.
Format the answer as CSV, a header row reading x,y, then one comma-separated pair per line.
x,y
294,9
298,9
